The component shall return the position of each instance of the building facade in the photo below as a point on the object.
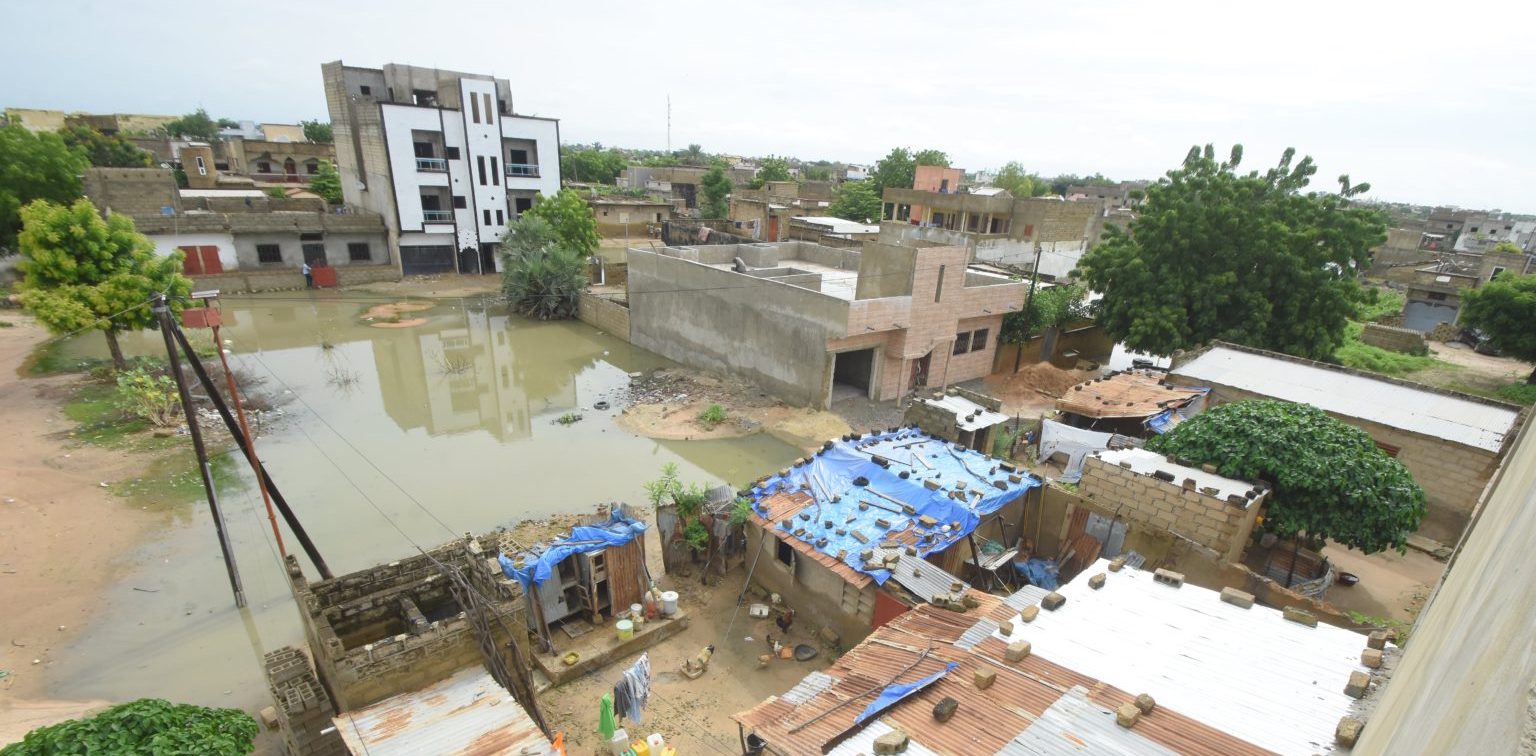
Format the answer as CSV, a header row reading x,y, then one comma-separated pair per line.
x,y
442,156
1000,229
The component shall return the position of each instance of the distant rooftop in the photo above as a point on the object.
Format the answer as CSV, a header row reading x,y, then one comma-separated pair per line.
x,y
1422,410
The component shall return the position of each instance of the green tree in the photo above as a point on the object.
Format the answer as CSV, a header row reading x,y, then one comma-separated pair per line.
x,y
694,155
148,725
195,125
1247,258
1504,309
931,157
326,182
34,167
1330,480
318,131
818,172
106,151
717,193
1048,311
856,201
81,271
894,171
1021,183
773,169
542,276
592,165
572,219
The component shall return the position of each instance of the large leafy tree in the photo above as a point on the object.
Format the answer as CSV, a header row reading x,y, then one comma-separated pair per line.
x,y
1504,309
591,164
327,182
1019,182
1242,257
34,167
106,151
898,168
195,125
81,271
773,169
717,193
572,220
1048,311
856,201
931,157
541,275
318,131
1329,479
148,725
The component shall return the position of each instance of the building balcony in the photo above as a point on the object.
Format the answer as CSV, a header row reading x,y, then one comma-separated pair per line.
x,y
431,165
281,178
524,170
437,216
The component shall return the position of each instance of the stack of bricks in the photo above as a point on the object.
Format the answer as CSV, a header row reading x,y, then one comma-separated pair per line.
x,y
304,711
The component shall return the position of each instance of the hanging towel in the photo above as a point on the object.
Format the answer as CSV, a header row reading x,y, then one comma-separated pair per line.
x,y
605,724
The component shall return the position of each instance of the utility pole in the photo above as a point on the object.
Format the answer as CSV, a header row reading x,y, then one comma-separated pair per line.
x,y
1029,301
250,444
167,325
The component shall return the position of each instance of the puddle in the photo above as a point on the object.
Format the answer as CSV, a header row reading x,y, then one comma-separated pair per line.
x,y
459,412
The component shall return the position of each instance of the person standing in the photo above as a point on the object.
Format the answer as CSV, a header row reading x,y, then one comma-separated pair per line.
x,y
309,276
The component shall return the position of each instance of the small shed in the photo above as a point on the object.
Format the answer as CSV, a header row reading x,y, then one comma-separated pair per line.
x,y
964,417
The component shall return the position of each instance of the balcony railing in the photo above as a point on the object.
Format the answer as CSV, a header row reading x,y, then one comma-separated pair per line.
x,y
527,170
437,216
432,165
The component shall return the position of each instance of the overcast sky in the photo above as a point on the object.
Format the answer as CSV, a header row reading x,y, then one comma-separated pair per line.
x,y
1429,103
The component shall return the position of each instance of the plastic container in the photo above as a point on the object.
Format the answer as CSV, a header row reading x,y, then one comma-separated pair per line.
x,y
619,743
668,603
655,741
636,611
626,629
640,748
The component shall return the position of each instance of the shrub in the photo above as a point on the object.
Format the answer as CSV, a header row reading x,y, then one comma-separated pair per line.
x,y
712,416
541,278
148,725
147,395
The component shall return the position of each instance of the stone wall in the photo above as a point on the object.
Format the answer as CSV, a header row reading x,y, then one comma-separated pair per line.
x,y
304,710
1175,507
1393,338
604,314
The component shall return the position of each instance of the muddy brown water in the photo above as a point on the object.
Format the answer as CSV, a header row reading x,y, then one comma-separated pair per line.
x,y
452,420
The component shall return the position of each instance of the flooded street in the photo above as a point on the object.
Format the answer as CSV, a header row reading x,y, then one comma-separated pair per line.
x,y
445,427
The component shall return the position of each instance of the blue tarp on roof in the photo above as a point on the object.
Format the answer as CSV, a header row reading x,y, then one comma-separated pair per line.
x,y
893,694
829,478
618,531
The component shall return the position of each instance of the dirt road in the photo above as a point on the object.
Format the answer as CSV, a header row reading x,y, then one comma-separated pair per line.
x,y
61,532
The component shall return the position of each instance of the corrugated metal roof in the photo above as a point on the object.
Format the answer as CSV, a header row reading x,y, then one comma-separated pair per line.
x,y
466,713
1070,725
863,743
1335,390
921,577
1131,393
969,416
1247,672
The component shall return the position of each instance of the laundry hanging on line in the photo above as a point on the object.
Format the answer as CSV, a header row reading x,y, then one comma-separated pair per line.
x,y
633,689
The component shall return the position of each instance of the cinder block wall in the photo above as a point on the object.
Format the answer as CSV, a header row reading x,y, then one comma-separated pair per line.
x,y
816,593
1143,499
603,314
304,711
1395,339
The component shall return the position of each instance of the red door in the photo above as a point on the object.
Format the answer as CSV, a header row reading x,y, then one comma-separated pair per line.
x,y
773,228
201,261
886,609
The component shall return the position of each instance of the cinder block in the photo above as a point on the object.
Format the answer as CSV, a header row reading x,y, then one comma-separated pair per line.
x,y
1145,703
1348,731
1017,651
1371,657
945,709
985,676
1097,581
1053,601
1005,627
1300,616
1377,640
1127,715
1169,577
1117,564
894,741
1359,683
1237,598
1029,613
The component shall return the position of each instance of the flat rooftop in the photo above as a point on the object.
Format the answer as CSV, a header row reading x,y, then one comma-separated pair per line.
x,y
835,282
1428,412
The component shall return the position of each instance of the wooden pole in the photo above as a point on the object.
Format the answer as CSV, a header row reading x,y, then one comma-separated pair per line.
x,y
250,443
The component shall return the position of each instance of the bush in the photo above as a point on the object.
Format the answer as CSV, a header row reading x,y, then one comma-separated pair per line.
x,y
148,725
149,396
712,416
1359,355
540,277
1519,393
1378,304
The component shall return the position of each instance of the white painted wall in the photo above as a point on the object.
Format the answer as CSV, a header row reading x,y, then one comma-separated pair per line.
x,y
399,120
547,135
483,142
165,244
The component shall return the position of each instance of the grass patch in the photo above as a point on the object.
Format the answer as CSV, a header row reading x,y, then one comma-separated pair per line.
x,y
101,421
1362,356
712,416
172,479
1519,393
1388,302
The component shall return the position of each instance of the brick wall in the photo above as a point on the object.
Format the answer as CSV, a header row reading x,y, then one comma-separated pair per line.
x,y
304,710
291,278
603,314
1395,339
1158,504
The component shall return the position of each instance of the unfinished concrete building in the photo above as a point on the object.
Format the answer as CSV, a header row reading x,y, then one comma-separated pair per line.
x,y
1000,229
809,323
397,627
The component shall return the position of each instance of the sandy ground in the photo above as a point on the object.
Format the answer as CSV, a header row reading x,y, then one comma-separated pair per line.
x,y
1478,371
1392,585
1034,388
666,405
60,532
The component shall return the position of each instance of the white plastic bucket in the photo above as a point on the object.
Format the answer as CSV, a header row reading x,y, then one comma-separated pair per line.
x,y
669,603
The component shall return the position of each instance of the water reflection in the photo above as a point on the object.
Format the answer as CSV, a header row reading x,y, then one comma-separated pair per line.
x,y
445,427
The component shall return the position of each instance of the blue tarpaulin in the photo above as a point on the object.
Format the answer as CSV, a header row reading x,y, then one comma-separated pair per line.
x,y
618,531
894,693
934,470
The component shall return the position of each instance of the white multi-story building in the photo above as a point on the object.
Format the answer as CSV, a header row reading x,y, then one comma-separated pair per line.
x,y
441,155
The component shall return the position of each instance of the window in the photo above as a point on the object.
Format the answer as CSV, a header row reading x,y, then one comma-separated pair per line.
x,y
263,167
938,291
480,162
488,111
1029,230
785,552
944,186
890,211
1436,296
202,168
658,217
474,108
522,205
487,217
962,343
431,202
978,339
452,153
1496,271
359,252
365,90
459,202
520,157
501,220
495,178
269,253
423,149
501,106
311,237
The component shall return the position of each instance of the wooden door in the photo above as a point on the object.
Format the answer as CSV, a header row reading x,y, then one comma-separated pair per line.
x,y
201,260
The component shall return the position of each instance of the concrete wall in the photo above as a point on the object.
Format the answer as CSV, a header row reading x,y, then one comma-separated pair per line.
x,y
603,314
1088,341
1463,682
885,270
132,191
1395,339
1160,505
816,593
762,330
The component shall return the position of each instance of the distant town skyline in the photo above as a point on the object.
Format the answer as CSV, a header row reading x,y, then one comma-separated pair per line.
x,y
1119,88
